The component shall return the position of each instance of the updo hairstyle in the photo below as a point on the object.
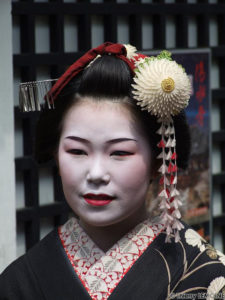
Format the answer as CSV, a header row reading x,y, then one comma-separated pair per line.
x,y
106,78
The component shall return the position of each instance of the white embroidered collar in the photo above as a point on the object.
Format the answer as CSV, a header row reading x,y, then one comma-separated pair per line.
x,y
101,272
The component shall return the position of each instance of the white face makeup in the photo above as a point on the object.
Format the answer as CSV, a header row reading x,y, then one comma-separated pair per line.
x,y
104,163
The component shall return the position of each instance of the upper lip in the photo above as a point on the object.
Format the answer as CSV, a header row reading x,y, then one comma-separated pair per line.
x,y
98,196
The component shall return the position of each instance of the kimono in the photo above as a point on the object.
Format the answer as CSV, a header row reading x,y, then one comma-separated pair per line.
x,y
68,265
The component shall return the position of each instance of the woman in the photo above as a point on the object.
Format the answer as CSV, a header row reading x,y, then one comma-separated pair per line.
x,y
108,151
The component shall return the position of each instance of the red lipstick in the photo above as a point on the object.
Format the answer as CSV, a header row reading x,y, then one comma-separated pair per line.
x,y
98,199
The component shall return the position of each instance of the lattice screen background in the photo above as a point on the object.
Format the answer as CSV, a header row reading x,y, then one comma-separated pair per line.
x,y
50,35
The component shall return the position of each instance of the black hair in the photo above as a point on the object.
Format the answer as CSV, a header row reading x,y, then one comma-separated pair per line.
x,y
107,78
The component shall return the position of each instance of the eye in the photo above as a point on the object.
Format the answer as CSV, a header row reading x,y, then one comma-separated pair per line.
x,y
76,152
122,153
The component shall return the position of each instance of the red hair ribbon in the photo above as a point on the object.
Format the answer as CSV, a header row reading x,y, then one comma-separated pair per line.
x,y
118,50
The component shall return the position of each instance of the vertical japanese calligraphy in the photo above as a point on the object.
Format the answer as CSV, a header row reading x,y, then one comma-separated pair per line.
x,y
200,76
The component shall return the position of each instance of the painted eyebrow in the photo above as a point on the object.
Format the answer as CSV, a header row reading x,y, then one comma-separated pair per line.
x,y
113,141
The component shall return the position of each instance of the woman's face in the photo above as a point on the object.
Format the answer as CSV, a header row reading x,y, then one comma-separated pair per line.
x,y
104,162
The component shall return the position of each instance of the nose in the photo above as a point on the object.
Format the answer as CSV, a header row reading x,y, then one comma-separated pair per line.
x,y
97,172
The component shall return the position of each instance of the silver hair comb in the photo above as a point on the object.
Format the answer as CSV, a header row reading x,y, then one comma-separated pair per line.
x,y
33,93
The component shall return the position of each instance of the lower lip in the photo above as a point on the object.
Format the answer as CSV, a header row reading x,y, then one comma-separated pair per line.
x,y
97,202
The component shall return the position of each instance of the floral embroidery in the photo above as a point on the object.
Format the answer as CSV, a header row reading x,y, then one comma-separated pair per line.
x,y
194,239
221,257
211,251
215,287
98,271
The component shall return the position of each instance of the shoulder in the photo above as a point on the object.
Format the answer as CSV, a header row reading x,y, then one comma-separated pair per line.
x,y
201,268
44,272
19,277
199,251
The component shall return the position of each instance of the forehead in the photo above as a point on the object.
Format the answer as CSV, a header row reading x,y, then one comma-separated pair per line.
x,y
100,117
104,106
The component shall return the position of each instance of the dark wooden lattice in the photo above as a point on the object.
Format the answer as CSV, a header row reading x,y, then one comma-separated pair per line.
x,y
57,59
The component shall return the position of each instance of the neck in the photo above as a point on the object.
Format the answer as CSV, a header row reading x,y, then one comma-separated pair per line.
x,y
106,236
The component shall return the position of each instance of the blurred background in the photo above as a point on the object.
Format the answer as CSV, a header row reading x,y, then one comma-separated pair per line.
x,y
38,40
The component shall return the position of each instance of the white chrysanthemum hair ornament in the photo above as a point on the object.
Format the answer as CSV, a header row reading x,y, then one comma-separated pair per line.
x,y
161,87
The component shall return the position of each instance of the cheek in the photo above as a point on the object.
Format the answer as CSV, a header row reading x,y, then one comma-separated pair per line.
x,y
135,174
70,171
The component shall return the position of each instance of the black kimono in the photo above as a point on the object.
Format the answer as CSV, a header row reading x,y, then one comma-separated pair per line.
x,y
67,265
